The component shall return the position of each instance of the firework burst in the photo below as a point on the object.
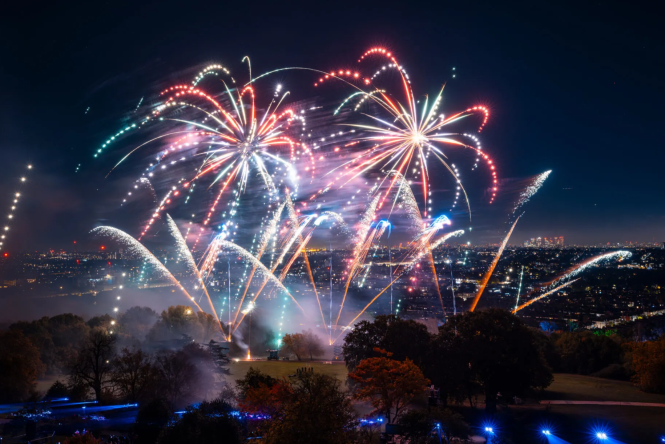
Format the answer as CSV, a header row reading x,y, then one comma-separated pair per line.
x,y
407,135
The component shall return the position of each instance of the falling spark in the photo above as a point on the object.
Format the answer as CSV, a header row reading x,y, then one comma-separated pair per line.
x,y
488,275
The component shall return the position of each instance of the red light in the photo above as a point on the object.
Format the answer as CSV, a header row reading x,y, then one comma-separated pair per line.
x,y
103,247
6,255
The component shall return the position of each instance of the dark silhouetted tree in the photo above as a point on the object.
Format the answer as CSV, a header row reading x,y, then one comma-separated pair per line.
x,y
135,376
137,321
93,363
209,423
502,353
19,366
403,338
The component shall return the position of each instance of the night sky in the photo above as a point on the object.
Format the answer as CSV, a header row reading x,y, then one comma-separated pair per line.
x,y
577,87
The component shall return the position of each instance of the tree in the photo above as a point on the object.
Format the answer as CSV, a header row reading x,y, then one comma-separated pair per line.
x,y
134,375
365,337
313,409
151,419
93,365
403,338
209,423
178,376
57,338
312,344
502,353
180,320
82,438
294,344
417,426
137,321
449,370
19,366
103,321
585,353
647,360
254,378
57,390
388,385
264,399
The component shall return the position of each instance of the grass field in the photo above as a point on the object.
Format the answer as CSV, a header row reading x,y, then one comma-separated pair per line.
x,y
282,369
586,388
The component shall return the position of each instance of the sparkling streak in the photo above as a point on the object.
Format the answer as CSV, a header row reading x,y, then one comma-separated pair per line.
x,y
488,275
544,295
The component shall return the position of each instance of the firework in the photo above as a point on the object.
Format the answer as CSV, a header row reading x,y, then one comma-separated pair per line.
x,y
577,269
186,255
544,295
442,240
488,275
136,249
405,138
574,271
261,269
531,189
227,136
12,209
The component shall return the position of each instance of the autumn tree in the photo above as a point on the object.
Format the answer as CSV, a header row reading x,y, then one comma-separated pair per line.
x,y
19,366
254,378
93,363
294,344
647,360
403,338
313,409
389,385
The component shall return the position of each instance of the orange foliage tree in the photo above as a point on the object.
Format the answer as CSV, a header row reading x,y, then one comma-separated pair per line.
x,y
387,384
648,363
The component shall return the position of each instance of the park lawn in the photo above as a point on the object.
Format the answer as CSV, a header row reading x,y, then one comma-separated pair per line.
x,y
282,369
587,388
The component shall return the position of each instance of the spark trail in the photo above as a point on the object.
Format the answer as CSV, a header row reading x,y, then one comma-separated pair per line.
x,y
531,190
488,275
544,295
184,253
135,248
577,269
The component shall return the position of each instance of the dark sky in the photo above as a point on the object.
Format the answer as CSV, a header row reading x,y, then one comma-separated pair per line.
x,y
576,87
